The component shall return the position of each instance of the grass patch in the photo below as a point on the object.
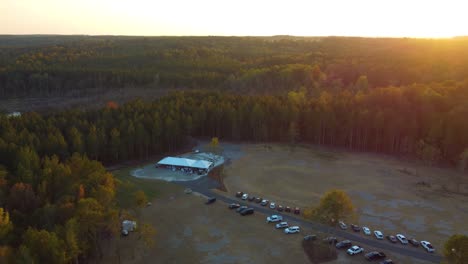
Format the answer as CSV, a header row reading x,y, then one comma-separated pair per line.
x,y
127,185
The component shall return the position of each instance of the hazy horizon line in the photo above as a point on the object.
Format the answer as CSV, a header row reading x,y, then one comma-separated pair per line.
x,y
258,36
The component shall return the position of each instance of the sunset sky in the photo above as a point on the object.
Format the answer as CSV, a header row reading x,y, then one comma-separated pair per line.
x,y
395,18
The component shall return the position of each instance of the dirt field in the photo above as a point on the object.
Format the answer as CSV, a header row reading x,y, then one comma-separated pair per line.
x,y
188,231
390,195
387,192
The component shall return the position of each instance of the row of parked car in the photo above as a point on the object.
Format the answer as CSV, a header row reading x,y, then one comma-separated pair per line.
x,y
345,244
265,202
356,249
394,239
282,225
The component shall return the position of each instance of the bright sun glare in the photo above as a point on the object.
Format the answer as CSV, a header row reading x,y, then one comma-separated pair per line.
x,y
397,18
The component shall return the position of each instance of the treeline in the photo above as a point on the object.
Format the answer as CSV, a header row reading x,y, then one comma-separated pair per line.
x,y
54,65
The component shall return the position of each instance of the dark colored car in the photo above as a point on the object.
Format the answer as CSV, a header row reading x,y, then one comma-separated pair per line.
x,y
297,210
374,255
239,194
280,208
392,239
210,200
387,261
258,199
310,237
331,240
355,228
251,198
287,209
343,244
234,206
247,211
414,242
241,208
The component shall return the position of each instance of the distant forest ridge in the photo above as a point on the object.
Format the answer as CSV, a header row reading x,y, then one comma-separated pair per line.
x,y
45,65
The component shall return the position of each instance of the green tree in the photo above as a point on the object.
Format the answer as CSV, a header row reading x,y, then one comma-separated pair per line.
x,y
76,140
44,246
456,249
115,144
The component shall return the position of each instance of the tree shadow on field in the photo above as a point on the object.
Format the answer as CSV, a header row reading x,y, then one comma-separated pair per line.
x,y
319,252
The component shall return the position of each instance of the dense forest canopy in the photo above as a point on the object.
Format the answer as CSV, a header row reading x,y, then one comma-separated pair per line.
x,y
407,97
45,65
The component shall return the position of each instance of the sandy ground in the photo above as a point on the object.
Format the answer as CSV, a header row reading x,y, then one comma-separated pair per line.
x,y
384,190
188,231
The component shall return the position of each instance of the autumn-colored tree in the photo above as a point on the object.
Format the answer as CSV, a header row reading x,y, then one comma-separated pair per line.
x,y
140,199
456,249
112,105
335,205
44,246
5,224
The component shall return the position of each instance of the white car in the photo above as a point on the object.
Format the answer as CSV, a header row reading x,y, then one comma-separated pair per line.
x,y
274,218
402,239
366,230
272,205
292,230
245,196
342,225
354,250
282,225
378,234
427,246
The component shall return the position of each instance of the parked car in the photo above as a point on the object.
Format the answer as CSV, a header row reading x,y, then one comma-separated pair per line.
x,y
310,237
234,206
297,210
274,218
414,242
402,239
247,211
280,208
427,246
282,225
342,225
366,231
210,200
374,255
239,194
264,202
245,196
355,228
354,250
251,198
343,244
287,209
258,200
292,230
272,205
241,208
378,234
331,240
392,238
387,261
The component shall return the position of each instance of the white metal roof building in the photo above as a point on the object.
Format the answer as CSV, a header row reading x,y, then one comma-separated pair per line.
x,y
183,162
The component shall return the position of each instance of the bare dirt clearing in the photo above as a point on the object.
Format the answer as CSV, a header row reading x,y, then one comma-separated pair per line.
x,y
188,231
386,197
